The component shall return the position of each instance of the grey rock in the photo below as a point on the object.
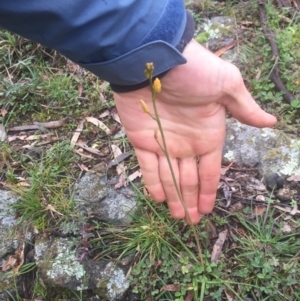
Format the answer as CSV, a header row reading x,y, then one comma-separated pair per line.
x,y
8,241
6,295
91,188
118,206
273,150
98,197
220,31
58,265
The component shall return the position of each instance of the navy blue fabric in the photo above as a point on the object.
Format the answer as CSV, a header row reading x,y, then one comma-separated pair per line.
x,y
112,39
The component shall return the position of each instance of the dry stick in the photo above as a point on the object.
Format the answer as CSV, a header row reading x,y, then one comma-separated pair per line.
x,y
275,73
165,150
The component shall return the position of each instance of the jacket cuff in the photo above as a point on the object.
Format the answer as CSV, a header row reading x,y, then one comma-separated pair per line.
x,y
126,73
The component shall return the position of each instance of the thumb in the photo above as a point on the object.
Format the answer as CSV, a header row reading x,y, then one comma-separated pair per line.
x,y
245,109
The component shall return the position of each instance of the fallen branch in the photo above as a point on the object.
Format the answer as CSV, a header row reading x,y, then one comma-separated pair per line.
x,y
275,73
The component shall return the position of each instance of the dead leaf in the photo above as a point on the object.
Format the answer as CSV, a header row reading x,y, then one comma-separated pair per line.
x,y
246,22
3,134
189,296
121,181
211,230
224,49
133,176
295,178
119,158
77,134
225,169
40,125
288,209
104,86
80,89
236,207
35,137
115,115
9,263
258,74
229,296
89,149
15,261
3,112
157,263
23,184
83,167
117,152
171,288
217,249
52,209
104,114
286,228
259,210
99,124
52,139
83,154
227,195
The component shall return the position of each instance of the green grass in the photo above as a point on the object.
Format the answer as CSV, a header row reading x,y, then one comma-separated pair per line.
x,y
258,260
48,199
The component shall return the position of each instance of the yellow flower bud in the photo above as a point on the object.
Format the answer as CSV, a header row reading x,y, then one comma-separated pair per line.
x,y
149,70
150,67
157,85
144,107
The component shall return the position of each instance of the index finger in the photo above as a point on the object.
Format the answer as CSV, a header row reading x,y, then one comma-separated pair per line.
x,y
209,176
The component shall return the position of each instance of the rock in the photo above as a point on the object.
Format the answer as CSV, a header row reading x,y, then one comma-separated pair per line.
x,y
9,241
98,197
219,31
58,266
273,150
274,181
91,189
118,206
284,194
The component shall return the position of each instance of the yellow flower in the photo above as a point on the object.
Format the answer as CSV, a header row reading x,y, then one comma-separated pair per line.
x,y
144,107
157,85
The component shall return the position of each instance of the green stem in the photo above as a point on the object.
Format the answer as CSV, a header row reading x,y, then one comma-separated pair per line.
x,y
165,150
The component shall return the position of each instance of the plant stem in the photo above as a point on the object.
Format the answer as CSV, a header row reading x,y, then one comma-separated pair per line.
x,y
165,150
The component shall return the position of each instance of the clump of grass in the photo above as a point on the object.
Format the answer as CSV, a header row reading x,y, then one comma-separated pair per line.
x,y
265,260
48,197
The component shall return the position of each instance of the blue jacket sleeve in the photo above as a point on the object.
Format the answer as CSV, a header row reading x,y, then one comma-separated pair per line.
x,y
112,39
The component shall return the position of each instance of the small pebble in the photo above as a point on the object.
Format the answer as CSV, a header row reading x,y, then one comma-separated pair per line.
x,y
260,198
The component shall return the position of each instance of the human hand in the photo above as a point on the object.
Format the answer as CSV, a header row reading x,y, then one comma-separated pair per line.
x,y
191,107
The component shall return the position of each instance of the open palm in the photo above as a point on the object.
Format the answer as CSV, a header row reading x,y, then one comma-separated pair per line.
x,y
191,107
